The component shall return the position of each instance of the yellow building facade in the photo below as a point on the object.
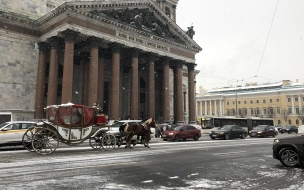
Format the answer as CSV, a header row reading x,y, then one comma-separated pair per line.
x,y
281,101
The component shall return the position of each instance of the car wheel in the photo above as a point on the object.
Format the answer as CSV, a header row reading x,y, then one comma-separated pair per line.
x,y
289,157
227,137
157,135
164,139
212,138
176,139
196,137
243,136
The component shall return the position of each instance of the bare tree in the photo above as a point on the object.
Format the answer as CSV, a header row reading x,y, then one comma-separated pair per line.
x,y
301,117
284,115
269,112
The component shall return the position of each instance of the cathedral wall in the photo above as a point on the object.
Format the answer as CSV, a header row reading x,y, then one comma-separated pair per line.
x,y
18,64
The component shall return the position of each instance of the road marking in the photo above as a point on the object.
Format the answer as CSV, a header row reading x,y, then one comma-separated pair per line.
x,y
174,177
148,181
230,153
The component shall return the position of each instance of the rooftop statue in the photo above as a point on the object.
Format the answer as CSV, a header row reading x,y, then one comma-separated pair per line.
x,y
190,32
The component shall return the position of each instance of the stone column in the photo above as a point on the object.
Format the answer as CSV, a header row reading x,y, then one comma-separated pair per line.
x,y
178,92
201,104
205,107
40,83
300,103
67,79
93,71
292,104
221,108
166,90
115,86
100,94
174,12
191,93
85,82
53,71
210,107
215,108
151,86
134,90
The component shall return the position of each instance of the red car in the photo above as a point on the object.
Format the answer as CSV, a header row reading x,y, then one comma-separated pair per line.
x,y
181,132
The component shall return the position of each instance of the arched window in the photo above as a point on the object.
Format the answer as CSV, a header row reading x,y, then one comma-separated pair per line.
x,y
297,122
289,122
279,121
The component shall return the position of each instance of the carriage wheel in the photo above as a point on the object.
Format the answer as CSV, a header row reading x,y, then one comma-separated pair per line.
x,y
45,141
27,138
95,142
108,142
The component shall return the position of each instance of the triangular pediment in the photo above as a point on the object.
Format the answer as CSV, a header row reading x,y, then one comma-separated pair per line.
x,y
141,16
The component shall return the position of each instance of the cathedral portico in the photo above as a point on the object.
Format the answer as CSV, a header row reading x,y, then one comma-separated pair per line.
x,y
111,55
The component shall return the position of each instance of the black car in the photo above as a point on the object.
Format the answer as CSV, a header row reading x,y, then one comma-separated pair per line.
x,y
290,129
290,151
229,132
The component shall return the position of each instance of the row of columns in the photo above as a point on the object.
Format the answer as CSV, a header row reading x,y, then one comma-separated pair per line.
x,y
93,84
293,109
212,109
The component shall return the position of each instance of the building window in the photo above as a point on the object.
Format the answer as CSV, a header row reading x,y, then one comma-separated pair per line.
x,y
264,101
279,121
240,112
289,99
233,111
296,99
257,101
270,100
278,100
271,111
245,111
264,111
297,110
289,122
258,111
227,103
233,102
228,112
297,122
239,102
289,110
251,102
278,111
251,111
303,99
245,102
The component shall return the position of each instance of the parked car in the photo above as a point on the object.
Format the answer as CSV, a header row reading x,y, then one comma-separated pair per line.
x,y
291,128
289,151
181,132
263,131
229,132
11,132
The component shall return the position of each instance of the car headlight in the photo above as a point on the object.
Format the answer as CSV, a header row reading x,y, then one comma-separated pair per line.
x,y
249,131
276,141
259,131
221,133
170,133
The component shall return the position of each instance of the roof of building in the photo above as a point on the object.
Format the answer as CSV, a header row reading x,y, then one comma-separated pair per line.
x,y
273,87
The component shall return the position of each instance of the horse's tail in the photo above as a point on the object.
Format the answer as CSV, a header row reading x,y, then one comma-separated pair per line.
x,y
122,127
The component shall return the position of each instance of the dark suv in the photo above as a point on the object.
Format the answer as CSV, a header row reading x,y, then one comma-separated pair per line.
x,y
290,151
228,132
289,129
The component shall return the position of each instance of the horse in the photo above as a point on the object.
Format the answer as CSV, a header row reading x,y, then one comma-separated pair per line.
x,y
139,129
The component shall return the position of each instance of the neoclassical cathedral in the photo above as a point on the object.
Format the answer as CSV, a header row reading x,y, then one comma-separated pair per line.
x,y
130,56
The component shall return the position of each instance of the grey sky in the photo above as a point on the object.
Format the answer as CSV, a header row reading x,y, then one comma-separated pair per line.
x,y
233,34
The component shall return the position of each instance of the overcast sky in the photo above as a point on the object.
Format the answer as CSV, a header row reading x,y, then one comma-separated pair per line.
x,y
246,40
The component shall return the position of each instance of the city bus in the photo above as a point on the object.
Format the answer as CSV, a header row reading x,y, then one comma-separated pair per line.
x,y
246,123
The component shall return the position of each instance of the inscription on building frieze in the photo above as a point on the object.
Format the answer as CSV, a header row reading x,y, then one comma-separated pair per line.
x,y
140,41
